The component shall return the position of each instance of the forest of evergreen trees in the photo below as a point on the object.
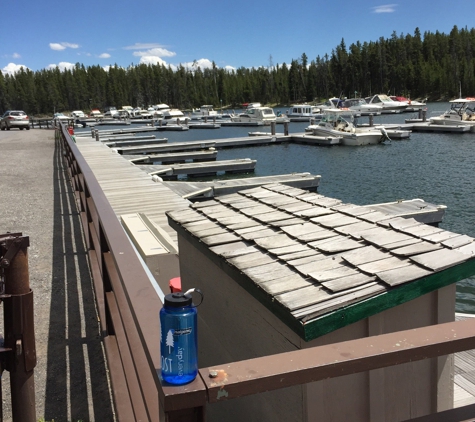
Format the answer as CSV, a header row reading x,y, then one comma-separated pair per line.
x,y
435,65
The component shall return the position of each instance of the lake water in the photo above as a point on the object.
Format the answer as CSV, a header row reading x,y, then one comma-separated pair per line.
x,y
438,168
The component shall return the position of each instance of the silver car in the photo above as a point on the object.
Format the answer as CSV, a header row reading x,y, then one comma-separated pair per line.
x,y
15,118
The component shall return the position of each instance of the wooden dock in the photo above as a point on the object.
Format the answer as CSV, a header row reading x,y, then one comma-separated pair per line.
x,y
243,165
174,157
169,147
201,190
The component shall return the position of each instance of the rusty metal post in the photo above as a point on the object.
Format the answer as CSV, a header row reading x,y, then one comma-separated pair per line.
x,y
19,326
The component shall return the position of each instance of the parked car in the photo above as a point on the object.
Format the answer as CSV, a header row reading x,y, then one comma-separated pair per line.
x,y
15,118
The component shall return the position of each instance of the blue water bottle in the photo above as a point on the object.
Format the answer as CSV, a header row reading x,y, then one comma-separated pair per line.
x,y
179,338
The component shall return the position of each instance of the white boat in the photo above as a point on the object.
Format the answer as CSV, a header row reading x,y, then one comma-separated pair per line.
x,y
361,107
333,124
60,116
303,113
461,112
386,104
78,114
205,111
173,114
264,115
412,105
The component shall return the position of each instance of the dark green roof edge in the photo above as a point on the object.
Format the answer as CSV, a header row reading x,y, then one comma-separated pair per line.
x,y
340,318
394,297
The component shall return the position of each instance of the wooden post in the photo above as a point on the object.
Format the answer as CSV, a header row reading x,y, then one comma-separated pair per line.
x,y
371,120
272,128
420,113
286,128
19,327
97,135
424,115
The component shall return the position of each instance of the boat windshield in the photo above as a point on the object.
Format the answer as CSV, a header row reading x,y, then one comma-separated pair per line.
x,y
332,118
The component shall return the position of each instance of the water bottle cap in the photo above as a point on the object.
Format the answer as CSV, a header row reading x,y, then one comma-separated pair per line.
x,y
178,300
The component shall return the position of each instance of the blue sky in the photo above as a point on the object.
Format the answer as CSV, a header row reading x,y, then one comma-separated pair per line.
x,y
47,33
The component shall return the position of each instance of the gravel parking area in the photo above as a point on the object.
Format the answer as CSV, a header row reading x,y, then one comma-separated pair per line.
x,y
71,379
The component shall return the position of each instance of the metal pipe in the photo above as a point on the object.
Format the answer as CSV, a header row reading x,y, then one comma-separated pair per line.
x,y
19,328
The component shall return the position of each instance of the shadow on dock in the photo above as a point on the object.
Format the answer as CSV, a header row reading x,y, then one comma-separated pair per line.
x,y
76,378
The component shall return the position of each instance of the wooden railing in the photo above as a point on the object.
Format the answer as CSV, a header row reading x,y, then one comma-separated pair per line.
x,y
128,308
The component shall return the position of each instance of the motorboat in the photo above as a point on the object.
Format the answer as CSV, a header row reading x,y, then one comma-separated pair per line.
x,y
173,114
361,107
334,124
205,112
263,115
303,113
412,105
96,114
386,104
78,114
60,116
461,112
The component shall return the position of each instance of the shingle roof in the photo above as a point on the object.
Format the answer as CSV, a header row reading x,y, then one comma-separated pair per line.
x,y
311,258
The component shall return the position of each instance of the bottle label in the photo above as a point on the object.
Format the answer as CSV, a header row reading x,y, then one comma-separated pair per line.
x,y
173,357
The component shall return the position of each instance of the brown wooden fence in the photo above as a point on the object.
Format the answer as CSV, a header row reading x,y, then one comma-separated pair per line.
x,y
128,308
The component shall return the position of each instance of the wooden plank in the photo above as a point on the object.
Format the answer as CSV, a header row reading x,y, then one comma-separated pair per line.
x,y
295,248
243,249
296,207
416,249
303,297
383,265
347,282
301,254
364,255
468,249
228,247
339,245
315,256
258,234
337,301
302,229
457,242
315,211
402,274
333,273
250,260
320,265
256,210
440,236
276,241
220,238
440,260
422,230
356,211
385,237
355,230
400,223
272,217
335,220
285,284
400,244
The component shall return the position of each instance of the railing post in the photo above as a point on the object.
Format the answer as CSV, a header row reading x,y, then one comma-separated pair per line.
x,y
272,128
19,325
286,128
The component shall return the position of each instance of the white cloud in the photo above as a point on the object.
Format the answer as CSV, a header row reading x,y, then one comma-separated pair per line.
x,y
12,68
104,56
143,46
106,68
201,63
157,51
62,66
62,46
152,60
229,68
385,8
16,56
